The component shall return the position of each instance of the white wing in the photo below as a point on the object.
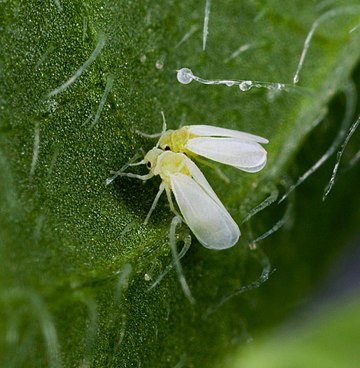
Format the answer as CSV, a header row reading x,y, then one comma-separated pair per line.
x,y
210,222
199,177
245,155
213,131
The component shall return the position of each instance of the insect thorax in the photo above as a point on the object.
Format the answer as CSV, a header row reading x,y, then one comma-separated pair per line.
x,y
175,140
170,163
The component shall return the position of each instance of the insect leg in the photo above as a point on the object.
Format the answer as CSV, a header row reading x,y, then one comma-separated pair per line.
x,y
156,200
171,203
130,175
118,173
155,135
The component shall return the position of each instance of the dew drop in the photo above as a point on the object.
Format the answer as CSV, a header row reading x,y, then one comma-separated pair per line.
x,y
159,64
245,86
184,75
279,86
147,277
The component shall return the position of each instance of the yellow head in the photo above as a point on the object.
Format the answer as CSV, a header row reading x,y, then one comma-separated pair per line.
x,y
166,163
151,158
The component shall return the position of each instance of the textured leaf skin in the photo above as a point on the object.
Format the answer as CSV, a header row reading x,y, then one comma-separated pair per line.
x,y
75,255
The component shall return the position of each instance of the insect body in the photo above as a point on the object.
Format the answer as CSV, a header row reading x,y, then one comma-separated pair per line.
x,y
231,147
199,205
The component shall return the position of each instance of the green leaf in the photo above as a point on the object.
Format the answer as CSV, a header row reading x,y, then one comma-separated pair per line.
x,y
78,79
330,340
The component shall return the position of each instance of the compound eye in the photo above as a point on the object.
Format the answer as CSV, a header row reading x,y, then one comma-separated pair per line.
x,y
148,165
167,148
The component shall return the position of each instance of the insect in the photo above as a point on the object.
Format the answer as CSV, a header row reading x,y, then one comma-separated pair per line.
x,y
200,207
231,147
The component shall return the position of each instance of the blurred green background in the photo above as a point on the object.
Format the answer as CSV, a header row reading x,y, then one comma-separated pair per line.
x,y
77,261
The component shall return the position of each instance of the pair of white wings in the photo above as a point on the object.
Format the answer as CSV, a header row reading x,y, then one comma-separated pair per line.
x,y
231,147
202,210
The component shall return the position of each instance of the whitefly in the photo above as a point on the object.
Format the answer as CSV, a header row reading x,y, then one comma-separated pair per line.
x,y
230,147
200,207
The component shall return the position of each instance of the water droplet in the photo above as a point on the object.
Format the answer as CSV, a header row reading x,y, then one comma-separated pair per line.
x,y
147,277
184,75
245,86
159,64
229,83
